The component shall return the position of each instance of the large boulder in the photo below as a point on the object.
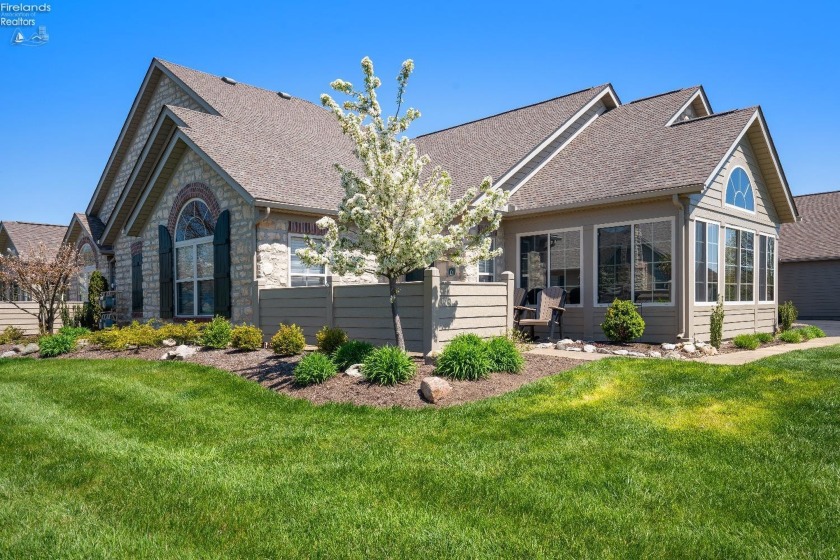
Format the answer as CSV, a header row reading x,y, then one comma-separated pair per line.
x,y
183,352
435,388
29,349
354,371
8,354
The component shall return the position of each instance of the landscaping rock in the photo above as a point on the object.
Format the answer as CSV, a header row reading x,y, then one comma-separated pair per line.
x,y
181,353
674,355
30,348
589,349
637,354
17,348
544,345
700,344
169,343
690,348
668,347
566,341
8,354
573,349
709,350
354,371
435,388
654,354
560,346
620,352
604,351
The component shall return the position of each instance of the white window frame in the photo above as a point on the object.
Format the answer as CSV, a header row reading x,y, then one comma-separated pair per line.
x,y
548,264
752,188
492,263
292,254
775,269
193,243
633,224
719,256
723,263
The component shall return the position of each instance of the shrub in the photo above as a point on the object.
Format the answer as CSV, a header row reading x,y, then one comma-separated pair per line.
x,y
136,335
622,322
10,334
314,368
746,341
106,338
74,332
519,338
463,359
246,337
793,337
388,365
504,355
716,324
810,331
96,285
55,345
329,339
352,352
217,333
765,337
787,315
289,340
467,338
182,333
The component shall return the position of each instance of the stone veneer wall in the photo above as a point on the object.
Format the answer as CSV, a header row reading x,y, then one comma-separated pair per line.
x,y
192,169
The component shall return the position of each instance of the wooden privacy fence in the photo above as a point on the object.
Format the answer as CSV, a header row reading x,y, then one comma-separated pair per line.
x,y
24,315
432,312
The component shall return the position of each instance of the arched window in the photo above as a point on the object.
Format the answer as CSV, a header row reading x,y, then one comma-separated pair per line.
x,y
194,260
739,191
87,260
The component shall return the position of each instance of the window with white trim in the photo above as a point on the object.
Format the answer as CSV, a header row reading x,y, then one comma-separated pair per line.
x,y
738,264
739,191
634,262
706,265
87,260
551,259
487,268
194,260
766,268
300,274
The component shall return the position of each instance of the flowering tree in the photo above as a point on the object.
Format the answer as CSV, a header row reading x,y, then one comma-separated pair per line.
x,y
395,216
44,277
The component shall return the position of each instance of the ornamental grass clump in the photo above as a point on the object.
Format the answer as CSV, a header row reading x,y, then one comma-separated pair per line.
x,y
314,368
289,340
74,332
329,339
504,356
388,365
716,324
792,337
765,337
746,341
622,323
246,337
55,345
351,353
217,333
464,359
810,331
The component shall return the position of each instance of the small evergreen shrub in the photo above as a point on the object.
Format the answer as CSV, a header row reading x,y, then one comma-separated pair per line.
x,y
10,334
329,339
246,337
388,365
792,337
217,333
622,322
463,359
746,341
504,355
55,345
96,285
765,337
810,331
75,332
289,340
352,352
787,315
182,333
716,324
314,368
135,335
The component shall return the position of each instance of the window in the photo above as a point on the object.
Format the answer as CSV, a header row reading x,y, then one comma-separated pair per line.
x,y
550,259
766,268
634,262
706,255
300,274
738,265
739,192
87,260
487,269
194,260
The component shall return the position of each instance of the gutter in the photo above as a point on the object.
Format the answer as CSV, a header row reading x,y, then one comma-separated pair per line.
x,y
682,221
296,208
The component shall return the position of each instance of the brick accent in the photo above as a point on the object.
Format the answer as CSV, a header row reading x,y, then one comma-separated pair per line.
x,y
189,192
306,228
136,248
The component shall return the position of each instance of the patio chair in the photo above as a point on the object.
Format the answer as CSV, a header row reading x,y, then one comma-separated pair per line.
x,y
551,304
519,308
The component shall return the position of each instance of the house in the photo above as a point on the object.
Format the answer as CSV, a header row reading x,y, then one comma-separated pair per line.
x,y
809,254
212,185
18,238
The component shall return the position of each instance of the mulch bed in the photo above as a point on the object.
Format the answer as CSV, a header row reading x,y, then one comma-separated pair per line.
x,y
275,373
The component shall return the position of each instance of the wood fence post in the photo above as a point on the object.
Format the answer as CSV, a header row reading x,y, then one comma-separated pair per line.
x,y
431,296
507,278
330,303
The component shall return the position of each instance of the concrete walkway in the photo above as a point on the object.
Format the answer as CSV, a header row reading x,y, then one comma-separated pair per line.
x,y
586,356
746,356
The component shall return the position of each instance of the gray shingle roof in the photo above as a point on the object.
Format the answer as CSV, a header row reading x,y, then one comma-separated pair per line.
x,y
92,225
816,236
629,150
26,236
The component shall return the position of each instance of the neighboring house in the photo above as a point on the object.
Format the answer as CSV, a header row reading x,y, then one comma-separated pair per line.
x,y
17,238
213,184
809,270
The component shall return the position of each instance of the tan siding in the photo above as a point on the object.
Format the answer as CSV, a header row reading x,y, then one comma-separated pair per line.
x,y
738,319
814,287
24,315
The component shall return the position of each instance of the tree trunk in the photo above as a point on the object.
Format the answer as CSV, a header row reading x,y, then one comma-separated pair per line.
x,y
398,332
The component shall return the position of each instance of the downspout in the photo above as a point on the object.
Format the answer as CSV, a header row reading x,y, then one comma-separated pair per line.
x,y
682,221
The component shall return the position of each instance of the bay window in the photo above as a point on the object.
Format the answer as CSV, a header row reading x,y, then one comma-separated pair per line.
x,y
634,262
194,260
706,265
551,259
738,265
299,273
766,268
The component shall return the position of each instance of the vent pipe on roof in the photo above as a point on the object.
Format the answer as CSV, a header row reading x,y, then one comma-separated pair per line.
x,y
284,95
227,80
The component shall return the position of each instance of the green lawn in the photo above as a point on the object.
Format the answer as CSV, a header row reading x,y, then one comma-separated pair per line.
x,y
617,459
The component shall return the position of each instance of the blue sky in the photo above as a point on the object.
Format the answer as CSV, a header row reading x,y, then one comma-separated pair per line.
x,y
64,103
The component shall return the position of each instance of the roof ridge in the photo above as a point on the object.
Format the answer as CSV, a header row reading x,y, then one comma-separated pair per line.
x,y
649,97
252,86
817,193
599,87
32,223
713,115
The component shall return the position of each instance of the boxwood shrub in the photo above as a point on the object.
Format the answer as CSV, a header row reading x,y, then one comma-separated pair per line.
x,y
289,340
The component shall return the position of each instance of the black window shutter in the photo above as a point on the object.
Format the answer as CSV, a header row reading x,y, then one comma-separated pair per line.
x,y
137,282
166,260
221,265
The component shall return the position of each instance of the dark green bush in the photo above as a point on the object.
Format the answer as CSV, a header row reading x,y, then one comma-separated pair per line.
x,y
329,339
75,332
314,368
350,353
787,315
793,337
217,333
504,355
622,322
746,341
810,331
464,360
388,365
93,309
55,345
289,340
765,337
716,324
246,337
